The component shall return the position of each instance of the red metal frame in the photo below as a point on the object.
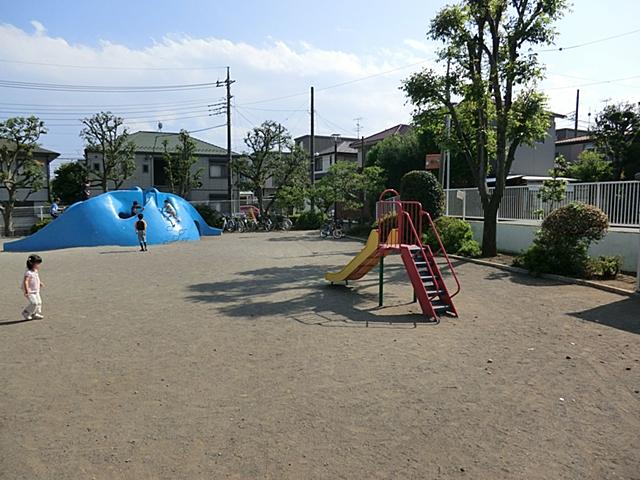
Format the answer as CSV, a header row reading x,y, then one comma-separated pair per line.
x,y
408,222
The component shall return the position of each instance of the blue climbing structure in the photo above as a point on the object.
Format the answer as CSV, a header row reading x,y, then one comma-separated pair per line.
x,y
104,220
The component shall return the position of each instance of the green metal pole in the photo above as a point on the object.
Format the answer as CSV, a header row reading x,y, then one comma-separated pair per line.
x,y
381,283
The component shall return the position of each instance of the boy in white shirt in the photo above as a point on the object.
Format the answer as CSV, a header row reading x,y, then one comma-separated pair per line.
x,y
31,285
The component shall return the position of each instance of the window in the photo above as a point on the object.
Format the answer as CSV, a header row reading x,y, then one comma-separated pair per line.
x,y
96,167
217,170
145,168
318,165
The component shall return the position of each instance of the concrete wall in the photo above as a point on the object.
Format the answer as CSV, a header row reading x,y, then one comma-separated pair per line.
x,y
538,159
514,237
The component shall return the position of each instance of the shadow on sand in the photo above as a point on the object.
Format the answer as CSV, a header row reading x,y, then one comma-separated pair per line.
x,y
300,293
623,315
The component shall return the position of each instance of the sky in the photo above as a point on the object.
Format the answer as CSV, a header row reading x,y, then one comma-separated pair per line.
x,y
355,53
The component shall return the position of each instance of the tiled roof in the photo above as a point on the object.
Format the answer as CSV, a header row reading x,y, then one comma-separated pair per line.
x,y
151,142
343,147
38,149
580,139
400,129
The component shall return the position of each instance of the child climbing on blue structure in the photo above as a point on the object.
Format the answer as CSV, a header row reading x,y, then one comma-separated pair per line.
x,y
170,212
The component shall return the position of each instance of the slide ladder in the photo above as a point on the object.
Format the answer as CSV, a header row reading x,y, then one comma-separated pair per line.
x,y
420,261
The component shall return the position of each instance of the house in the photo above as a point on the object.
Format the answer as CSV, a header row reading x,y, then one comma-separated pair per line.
x,y
364,145
149,171
571,143
44,157
342,152
320,142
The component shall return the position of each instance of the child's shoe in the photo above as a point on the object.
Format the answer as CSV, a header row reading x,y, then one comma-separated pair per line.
x,y
37,316
26,315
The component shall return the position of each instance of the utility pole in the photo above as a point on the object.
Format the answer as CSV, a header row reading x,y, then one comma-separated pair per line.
x,y
448,162
575,125
312,148
358,126
229,156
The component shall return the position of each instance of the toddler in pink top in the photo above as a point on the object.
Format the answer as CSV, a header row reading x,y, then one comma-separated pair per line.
x,y
31,285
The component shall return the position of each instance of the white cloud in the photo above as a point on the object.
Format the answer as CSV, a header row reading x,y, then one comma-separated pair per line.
x,y
264,71
39,27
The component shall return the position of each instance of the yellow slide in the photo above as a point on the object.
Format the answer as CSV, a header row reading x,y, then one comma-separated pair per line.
x,y
363,262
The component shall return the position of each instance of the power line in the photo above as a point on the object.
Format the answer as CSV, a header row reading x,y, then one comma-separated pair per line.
x,y
107,67
109,105
120,112
600,82
106,88
336,85
591,42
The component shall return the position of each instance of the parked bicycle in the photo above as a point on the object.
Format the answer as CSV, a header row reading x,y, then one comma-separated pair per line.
x,y
282,222
333,229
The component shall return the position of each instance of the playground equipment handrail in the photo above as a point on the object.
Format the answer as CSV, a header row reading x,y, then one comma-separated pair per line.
x,y
419,243
444,253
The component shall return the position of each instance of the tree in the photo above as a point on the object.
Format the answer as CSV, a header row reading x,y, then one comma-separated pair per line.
x,y
554,189
397,155
489,88
102,134
272,158
344,184
178,165
18,169
617,135
591,167
67,182
422,186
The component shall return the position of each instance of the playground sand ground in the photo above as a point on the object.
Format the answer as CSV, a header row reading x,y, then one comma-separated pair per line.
x,y
231,358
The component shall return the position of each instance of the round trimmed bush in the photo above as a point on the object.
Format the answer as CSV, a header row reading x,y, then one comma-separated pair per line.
x,y
456,236
576,222
423,187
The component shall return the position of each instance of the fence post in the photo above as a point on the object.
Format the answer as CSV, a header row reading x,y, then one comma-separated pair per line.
x,y
638,267
598,194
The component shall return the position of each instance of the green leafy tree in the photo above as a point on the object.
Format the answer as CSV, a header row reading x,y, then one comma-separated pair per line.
x,y
591,167
178,165
272,161
67,182
617,135
344,184
423,187
103,134
18,169
489,89
554,189
397,155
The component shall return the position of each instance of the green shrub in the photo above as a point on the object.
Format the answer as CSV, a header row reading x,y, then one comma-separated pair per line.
x,y
456,236
561,246
360,229
210,215
40,225
560,258
470,248
453,233
576,222
422,186
309,220
604,267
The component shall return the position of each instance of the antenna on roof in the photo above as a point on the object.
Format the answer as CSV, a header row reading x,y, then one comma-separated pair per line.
x,y
159,126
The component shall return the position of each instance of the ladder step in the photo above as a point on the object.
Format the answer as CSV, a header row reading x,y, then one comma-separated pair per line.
x,y
435,292
440,307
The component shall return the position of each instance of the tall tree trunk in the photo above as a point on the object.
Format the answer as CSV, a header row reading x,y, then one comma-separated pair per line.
x,y
7,215
489,231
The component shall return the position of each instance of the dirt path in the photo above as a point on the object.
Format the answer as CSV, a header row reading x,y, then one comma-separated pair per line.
x,y
231,358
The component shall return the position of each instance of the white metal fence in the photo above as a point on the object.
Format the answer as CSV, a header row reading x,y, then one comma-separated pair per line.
x,y
619,200
25,217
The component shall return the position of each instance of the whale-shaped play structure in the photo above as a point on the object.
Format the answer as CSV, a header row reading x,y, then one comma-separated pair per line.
x,y
99,221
